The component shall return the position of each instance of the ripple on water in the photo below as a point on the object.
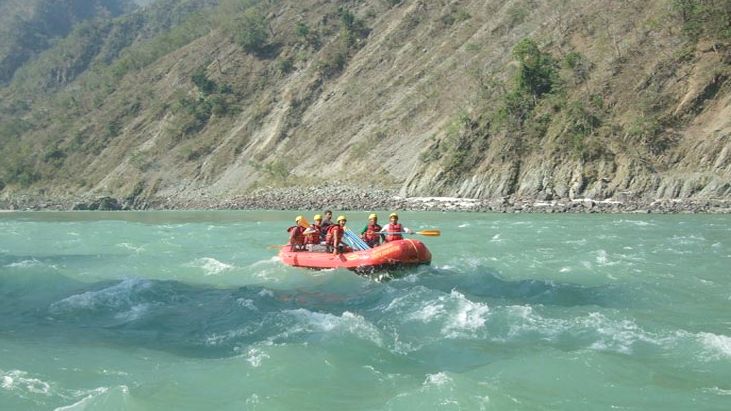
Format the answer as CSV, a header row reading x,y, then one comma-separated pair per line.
x,y
29,263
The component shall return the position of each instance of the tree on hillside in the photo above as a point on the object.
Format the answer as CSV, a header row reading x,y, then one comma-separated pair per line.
x,y
537,73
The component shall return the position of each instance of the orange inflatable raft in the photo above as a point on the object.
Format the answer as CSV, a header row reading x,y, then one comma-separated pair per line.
x,y
393,254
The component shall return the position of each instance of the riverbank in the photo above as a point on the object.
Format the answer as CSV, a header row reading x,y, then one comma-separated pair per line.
x,y
354,198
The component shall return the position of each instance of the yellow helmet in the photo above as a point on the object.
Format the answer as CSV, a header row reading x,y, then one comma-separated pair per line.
x,y
342,217
318,217
393,215
297,220
373,215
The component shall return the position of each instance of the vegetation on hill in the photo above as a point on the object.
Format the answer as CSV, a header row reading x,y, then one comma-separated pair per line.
x,y
464,97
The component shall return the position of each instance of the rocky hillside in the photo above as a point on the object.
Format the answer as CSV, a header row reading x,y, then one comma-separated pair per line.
x,y
527,99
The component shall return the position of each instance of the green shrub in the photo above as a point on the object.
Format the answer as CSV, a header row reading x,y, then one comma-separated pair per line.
x,y
333,61
54,157
250,30
113,127
21,169
537,72
705,18
579,66
579,124
454,16
285,65
201,80
514,109
302,30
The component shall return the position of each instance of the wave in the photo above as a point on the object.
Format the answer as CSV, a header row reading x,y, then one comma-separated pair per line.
x,y
129,246
211,266
639,223
18,380
121,295
315,322
718,346
98,397
437,379
255,356
25,264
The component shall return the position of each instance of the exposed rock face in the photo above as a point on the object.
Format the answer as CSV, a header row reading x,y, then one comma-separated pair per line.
x,y
100,204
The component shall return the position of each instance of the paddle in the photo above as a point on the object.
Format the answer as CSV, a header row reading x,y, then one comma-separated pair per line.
x,y
428,233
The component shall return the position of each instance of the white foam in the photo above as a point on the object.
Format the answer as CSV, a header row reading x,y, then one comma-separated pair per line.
x,y
717,391
131,247
118,295
247,303
89,398
25,264
463,225
134,313
265,293
601,257
437,379
255,357
564,270
717,345
469,316
211,266
253,400
617,336
639,223
608,335
427,313
19,380
348,322
266,261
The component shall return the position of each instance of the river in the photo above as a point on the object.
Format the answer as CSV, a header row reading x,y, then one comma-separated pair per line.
x,y
192,310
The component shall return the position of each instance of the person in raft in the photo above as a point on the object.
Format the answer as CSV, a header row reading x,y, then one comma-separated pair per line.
x,y
335,233
326,223
296,235
312,235
371,232
394,230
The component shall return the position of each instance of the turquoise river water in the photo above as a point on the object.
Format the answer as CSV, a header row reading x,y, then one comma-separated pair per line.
x,y
192,311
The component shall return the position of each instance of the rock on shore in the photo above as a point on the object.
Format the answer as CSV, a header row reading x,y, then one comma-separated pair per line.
x,y
343,197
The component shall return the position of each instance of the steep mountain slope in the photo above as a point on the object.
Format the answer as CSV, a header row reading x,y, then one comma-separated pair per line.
x,y
29,27
522,98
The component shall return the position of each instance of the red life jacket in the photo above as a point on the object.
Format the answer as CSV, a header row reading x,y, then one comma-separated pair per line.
x,y
394,228
313,237
295,235
371,236
330,237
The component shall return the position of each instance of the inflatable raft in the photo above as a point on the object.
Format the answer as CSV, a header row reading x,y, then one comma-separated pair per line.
x,y
393,254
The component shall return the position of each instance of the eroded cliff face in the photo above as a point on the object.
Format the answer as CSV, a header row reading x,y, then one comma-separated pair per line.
x,y
414,104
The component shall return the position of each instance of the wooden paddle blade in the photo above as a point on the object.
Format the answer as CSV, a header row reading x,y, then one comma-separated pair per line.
x,y
430,233
304,223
